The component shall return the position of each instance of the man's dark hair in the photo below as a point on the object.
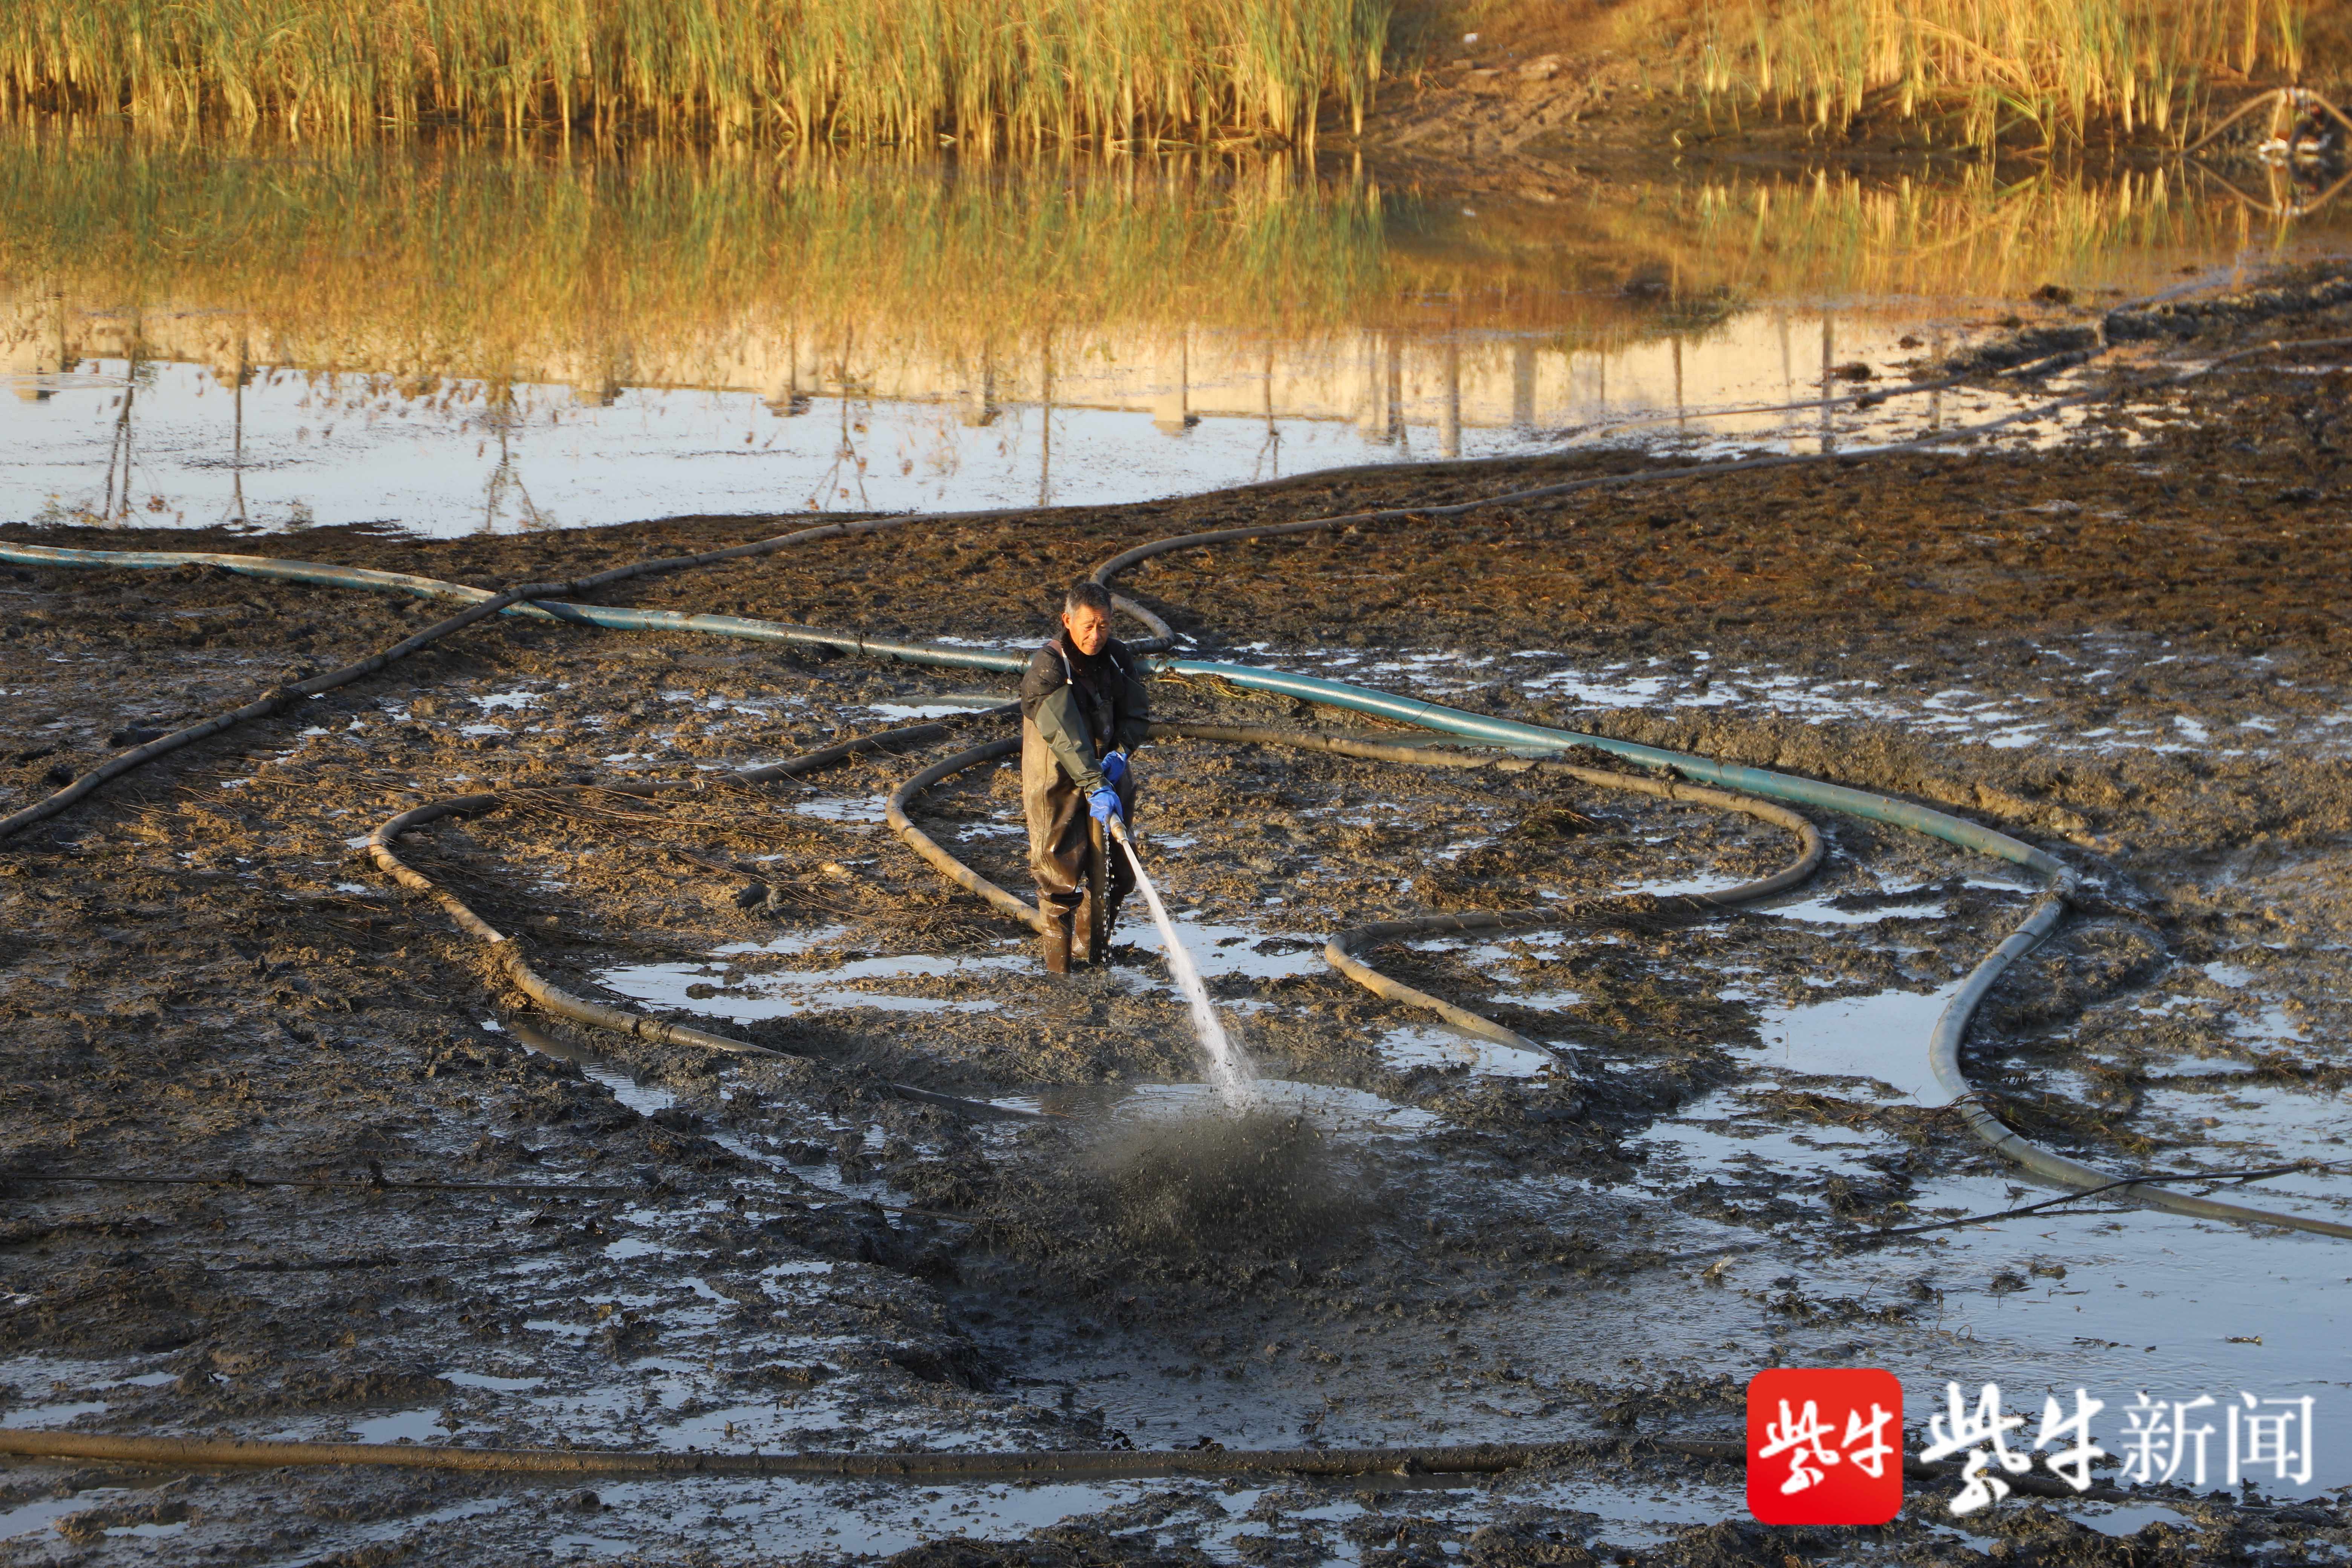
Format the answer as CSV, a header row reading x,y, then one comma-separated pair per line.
x,y
1087,594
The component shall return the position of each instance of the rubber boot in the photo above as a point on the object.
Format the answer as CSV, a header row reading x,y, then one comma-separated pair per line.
x,y
1057,940
1082,950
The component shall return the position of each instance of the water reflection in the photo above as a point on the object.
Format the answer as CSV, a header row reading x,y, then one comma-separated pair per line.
x,y
449,336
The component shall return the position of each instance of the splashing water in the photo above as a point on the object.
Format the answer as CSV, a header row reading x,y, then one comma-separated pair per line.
x,y
1229,1070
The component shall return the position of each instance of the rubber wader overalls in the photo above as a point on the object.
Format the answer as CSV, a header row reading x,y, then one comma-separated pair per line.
x,y
1073,710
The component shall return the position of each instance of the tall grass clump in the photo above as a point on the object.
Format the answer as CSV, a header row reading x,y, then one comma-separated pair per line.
x,y
986,73
2065,69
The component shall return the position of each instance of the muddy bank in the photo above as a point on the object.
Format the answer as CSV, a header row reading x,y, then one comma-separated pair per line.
x,y
1525,97
2128,649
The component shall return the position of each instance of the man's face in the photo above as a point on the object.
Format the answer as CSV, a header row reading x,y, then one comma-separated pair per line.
x,y
1088,628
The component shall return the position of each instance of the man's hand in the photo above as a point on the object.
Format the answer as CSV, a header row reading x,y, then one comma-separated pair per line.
x,y
1103,806
1113,767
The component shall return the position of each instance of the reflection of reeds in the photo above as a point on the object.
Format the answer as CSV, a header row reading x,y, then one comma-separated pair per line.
x,y
430,259
986,71
2065,67
1976,236
454,260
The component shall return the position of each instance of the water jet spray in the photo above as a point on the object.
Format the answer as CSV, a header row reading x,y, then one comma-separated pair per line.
x,y
1229,1069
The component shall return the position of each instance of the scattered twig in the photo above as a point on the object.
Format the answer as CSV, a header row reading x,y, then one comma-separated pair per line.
x,y
2045,1204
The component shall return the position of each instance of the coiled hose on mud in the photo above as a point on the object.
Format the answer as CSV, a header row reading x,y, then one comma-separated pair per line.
x,y
562,1004
1342,952
1733,780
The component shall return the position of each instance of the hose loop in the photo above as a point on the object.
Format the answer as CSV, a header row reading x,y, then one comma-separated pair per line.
x,y
559,1003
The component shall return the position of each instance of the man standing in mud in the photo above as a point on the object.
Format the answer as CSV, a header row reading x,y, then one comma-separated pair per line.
x,y
1083,710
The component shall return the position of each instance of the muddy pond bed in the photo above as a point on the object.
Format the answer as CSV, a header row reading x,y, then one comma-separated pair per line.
x,y
2127,647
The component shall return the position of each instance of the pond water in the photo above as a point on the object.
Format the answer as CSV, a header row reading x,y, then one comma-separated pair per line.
x,y
445,339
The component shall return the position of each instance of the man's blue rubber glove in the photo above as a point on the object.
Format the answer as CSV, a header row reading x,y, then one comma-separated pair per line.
x,y
1103,806
1113,767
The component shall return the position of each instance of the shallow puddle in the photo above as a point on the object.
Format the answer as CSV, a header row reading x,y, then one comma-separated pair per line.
x,y
1330,1106
39,1415
847,808
1423,1046
403,1427
643,1099
25,1518
854,1519
1882,1037
2079,667
1219,949
780,994
1825,911
1721,1134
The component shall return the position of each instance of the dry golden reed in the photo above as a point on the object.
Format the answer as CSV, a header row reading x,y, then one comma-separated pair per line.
x,y
986,73
2063,70
991,75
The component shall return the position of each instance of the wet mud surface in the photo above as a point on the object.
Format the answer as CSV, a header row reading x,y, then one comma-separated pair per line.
x,y
2130,651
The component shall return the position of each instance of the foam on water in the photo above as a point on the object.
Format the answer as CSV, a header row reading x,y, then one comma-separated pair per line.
x,y
1228,1068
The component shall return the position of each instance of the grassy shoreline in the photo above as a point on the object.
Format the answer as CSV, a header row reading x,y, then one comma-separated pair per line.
x,y
986,76
2067,70
982,73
